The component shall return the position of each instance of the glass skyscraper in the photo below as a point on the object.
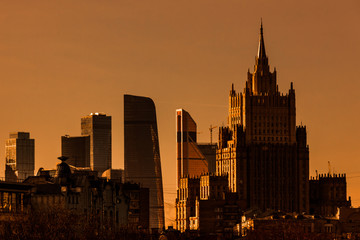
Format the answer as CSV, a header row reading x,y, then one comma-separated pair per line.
x,y
142,155
191,161
98,127
20,156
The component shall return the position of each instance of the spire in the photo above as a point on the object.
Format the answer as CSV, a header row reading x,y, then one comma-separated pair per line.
x,y
262,81
261,50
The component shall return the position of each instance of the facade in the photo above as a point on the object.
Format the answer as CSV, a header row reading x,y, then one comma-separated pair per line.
x,y
77,149
296,227
14,198
187,193
192,159
327,194
112,203
138,210
350,222
98,127
20,156
213,187
142,154
208,190
217,216
262,151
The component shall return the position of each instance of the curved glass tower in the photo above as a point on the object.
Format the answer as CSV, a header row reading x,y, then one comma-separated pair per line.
x,y
142,155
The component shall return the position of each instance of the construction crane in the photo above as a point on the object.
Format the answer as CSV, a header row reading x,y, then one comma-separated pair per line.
x,y
211,130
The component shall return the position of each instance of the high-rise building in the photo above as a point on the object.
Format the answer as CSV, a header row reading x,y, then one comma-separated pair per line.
x,y
20,156
262,151
192,159
98,127
142,154
77,149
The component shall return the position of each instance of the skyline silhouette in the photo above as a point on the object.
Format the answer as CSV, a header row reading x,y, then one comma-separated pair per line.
x,y
61,61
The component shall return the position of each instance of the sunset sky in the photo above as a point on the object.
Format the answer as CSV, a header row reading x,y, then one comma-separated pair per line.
x,y
61,60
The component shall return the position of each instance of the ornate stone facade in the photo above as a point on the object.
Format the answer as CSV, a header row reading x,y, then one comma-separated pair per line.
x,y
262,151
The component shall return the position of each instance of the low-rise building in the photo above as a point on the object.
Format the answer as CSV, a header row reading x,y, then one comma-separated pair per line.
x,y
350,221
188,191
327,194
111,202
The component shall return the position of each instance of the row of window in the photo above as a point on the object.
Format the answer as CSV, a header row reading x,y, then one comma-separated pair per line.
x,y
266,117
268,131
259,124
73,199
48,199
270,138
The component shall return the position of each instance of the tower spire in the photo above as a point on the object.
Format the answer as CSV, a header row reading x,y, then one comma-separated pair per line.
x,y
262,80
261,50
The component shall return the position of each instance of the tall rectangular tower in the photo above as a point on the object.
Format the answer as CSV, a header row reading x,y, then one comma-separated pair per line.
x,y
77,149
191,161
98,127
20,156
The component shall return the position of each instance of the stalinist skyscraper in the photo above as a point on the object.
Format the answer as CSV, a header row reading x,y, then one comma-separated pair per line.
x,y
262,151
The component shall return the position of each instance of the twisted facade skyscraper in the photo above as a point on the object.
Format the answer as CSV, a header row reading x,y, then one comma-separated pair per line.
x,y
142,155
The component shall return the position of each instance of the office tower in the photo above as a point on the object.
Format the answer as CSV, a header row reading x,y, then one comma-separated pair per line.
x,y
77,149
190,159
262,151
98,127
142,155
20,156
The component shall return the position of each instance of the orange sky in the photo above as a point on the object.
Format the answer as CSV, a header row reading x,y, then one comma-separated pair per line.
x,y
61,60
